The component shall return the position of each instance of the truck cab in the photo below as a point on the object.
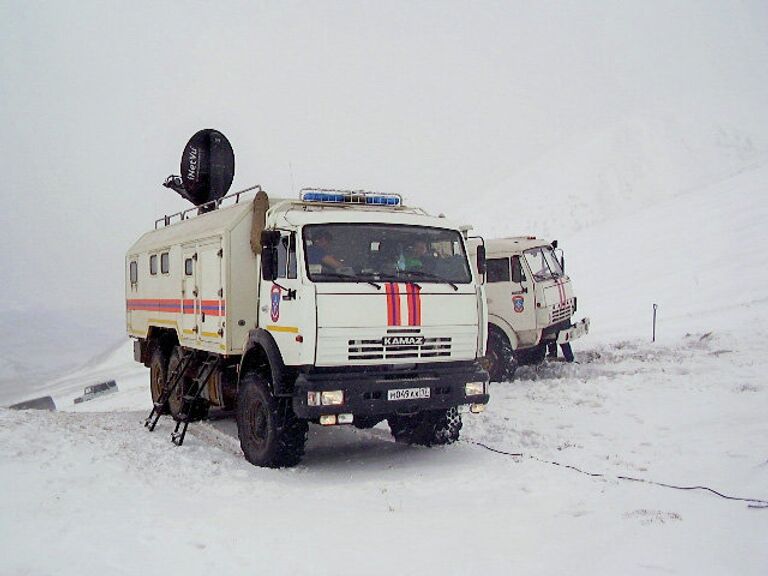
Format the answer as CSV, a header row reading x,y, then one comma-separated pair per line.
x,y
531,304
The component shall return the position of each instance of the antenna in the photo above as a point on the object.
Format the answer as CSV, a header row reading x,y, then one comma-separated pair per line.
x,y
207,168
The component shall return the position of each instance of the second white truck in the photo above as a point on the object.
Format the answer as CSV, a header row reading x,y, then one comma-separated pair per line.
x,y
531,304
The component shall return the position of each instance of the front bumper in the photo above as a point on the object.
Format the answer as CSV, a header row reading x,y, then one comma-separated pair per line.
x,y
365,390
581,328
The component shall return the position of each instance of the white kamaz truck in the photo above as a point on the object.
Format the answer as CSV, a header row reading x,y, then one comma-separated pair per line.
x,y
530,304
336,307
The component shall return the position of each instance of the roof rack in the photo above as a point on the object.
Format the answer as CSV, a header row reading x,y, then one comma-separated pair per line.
x,y
334,196
203,208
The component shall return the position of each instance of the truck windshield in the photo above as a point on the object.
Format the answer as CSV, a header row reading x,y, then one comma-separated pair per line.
x,y
543,263
384,252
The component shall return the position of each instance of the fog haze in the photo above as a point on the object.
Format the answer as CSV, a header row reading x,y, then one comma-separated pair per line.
x,y
446,103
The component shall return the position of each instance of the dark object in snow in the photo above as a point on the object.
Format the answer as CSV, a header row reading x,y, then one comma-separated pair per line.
x,y
427,428
42,403
91,392
207,169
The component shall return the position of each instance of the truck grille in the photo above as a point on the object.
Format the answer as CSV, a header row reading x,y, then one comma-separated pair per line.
x,y
561,312
375,350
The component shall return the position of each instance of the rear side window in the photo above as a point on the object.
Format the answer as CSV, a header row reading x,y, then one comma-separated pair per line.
x,y
133,272
498,269
153,264
517,270
165,263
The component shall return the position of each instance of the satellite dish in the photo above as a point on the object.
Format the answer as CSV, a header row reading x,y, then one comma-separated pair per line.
x,y
207,168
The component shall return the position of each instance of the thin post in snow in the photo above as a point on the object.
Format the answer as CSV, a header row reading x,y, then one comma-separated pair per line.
x,y
654,323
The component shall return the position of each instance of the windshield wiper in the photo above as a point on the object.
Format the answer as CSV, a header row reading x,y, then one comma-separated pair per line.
x,y
422,274
351,278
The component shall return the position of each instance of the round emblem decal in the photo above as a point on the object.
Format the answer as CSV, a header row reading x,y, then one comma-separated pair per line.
x,y
275,300
519,303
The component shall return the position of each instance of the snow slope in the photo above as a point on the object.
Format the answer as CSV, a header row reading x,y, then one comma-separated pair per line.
x,y
620,168
101,494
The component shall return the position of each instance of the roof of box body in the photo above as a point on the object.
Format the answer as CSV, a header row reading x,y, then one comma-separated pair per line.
x,y
205,225
283,213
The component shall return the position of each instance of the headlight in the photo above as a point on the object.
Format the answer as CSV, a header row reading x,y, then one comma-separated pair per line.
x,y
313,398
474,388
332,397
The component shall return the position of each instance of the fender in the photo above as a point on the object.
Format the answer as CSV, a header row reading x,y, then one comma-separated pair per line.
x,y
262,348
506,328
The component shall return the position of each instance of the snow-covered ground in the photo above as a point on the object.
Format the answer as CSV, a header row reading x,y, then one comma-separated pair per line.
x,y
88,490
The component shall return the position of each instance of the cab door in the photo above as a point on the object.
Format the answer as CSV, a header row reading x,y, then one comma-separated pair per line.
x,y
510,294
281,309
498,287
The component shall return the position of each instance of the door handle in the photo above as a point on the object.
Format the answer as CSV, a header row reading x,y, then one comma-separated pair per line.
x,y
203,316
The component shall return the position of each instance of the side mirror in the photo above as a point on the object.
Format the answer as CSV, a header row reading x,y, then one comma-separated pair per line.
x,y
481,264
561,259
554,244
269,240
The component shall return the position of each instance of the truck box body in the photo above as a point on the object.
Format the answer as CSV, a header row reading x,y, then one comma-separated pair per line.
x,y
207,256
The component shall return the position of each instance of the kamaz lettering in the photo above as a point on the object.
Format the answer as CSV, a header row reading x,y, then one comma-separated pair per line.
x,y
402,340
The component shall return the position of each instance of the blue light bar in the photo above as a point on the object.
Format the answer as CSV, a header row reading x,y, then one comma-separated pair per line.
x,y
322,197
350,197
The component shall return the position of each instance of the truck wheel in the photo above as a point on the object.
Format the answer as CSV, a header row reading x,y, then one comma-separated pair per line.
x,y
198,411
527,356
175,400
501,362
158,371
428,428
270,433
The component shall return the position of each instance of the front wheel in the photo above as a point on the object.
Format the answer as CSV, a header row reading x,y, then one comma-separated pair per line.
x,y
428,428
270,433
501,362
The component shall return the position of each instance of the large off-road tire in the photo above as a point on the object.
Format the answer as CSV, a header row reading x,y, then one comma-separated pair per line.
x,y
501,361
176,397
428,428
270,433
199,410
528,356
158,372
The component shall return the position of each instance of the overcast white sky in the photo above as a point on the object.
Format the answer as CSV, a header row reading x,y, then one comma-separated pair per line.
x,y
439,101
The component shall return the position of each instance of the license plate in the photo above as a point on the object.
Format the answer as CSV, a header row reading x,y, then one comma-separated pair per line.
x,y
408,394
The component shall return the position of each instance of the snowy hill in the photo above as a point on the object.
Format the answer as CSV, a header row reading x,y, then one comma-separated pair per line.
x,y
614,172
